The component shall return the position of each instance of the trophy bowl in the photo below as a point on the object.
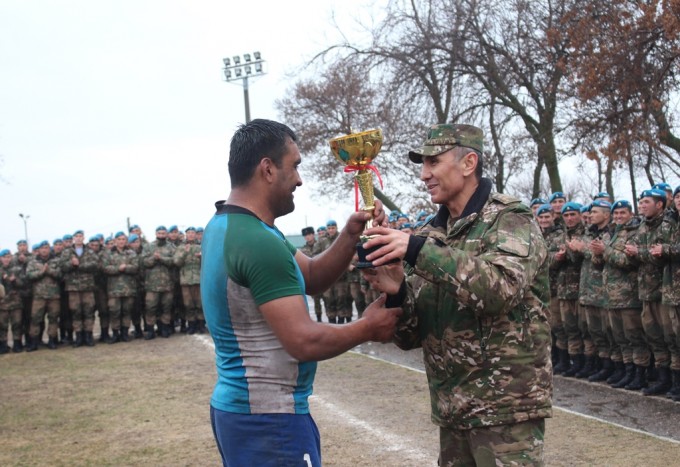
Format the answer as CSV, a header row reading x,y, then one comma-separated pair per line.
x,y
357,149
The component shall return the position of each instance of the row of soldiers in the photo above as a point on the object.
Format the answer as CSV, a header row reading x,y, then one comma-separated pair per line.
x,y
125,279
615,301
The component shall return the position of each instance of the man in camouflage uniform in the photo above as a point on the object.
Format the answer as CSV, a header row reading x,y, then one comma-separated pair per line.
x,y
337,297
79,265
475,296
670,294
557,200
120,266
21,258
623,301
188,260
178,310
44,272
135,244
101,299
355,293
157,259
537,203
553,238
568,281
592,296
12,278
308,249
65,318
655,229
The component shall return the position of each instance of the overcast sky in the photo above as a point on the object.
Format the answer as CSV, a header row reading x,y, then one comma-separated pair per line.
x,y
110,110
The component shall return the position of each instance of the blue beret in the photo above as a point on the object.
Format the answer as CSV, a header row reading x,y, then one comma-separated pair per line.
x,y
654,193
133,237
422,214
543,208
402,216
622,203
429,218
419,224
119,234
35,247
22,242
321,229
190,228
172,228
57,240
161,227
571,206
99,236
599,203
43,243
602,194
536,201
133,227
94,238
199,229
109,239
586,208
556,195
67,237
662,187
331,223
4,252
78,232
676,191
407,225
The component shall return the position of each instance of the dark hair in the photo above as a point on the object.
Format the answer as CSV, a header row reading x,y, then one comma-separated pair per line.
x,y
251,143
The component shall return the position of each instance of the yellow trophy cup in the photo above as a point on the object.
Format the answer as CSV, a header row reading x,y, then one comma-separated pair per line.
x,y
356,152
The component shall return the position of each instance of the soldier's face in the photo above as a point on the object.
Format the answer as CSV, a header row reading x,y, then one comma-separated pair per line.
x,y
571,218
309,238
22,248
444,174
44,251
557,204
545,220
622,216
135,245
6,260
332,230
599,216
58,248
649,207
676,201
120,242
68,242
161,234
534,208
191,236
94,246
78,239
173,235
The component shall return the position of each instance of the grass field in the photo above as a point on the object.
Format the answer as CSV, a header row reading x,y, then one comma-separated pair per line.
x,y
146,403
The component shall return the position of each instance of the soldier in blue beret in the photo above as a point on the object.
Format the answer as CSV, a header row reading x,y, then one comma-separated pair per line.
x,y
603,196
557,200
536,203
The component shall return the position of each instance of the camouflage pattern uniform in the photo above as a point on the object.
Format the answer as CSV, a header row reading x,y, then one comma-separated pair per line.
x,y
356,294
101,297
553,240
308,249
25,292
188,259
476,300
13,279
157,260
670,296
79,283
337,297
44,275
121,269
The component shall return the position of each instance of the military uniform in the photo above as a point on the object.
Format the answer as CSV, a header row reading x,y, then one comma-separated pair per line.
x,y
12,278
157,259
188,259
79,280
308,249
553,239
44,273
25,291
337,297
121,268
356,294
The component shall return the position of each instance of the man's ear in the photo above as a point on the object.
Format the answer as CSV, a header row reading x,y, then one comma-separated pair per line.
x,y
266,168
470,161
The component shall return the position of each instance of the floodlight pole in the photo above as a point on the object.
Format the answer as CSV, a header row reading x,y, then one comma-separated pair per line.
x,y
244,67
246,100
25,217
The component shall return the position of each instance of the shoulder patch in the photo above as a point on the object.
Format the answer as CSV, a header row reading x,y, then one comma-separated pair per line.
x,y
504,199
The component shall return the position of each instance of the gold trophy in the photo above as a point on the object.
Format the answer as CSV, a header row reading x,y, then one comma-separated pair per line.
x,y
356,152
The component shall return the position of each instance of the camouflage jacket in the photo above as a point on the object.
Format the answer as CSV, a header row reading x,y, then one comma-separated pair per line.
x,y
476,301
323,244
26,289
45,284
79,278
670,292
620,270
591,290
188,260
12,299
121,283
553,240
650,268
308,249
157,274
570,268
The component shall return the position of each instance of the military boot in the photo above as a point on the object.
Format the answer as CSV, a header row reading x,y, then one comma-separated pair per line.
x,y
183,326
341,320
52,342
348,319
89,339
318,317
618,373
675,386
576,365
606,371
149,334
104,336
332,320
589,367
201,327
124,334
662,385
115,337
191,328
3,347
138,330
563,363
165,330
628,377
640,379
32,344
17,346
79,340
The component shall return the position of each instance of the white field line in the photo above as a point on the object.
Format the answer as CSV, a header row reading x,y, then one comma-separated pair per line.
x,y
387,441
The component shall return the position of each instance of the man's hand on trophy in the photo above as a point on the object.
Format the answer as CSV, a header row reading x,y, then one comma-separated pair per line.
x,y
357,221
392,245
386,279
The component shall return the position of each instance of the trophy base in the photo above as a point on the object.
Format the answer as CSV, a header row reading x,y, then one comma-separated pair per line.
x,y
362,252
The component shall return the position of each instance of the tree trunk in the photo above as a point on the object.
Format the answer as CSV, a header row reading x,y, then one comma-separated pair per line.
x,y
536,190
633,189
548,154
608,177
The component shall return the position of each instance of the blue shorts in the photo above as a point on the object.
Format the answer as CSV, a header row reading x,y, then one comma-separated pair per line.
x,y
276,440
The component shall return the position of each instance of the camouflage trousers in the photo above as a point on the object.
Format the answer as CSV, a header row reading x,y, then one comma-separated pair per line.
x,y
179,311
82,306
337,301
588,346
158,305
65,316
671,334
371,295
101,303
358,296
674,315
513,444
120,311
10,317
556,325
656,322
597,320
38,309
318,309
629,336
191,296
569,313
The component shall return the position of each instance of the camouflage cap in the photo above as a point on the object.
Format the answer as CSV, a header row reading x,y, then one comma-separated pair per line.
x,y
445,136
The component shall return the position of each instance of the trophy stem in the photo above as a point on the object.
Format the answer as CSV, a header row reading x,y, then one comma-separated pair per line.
x,y
364,179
